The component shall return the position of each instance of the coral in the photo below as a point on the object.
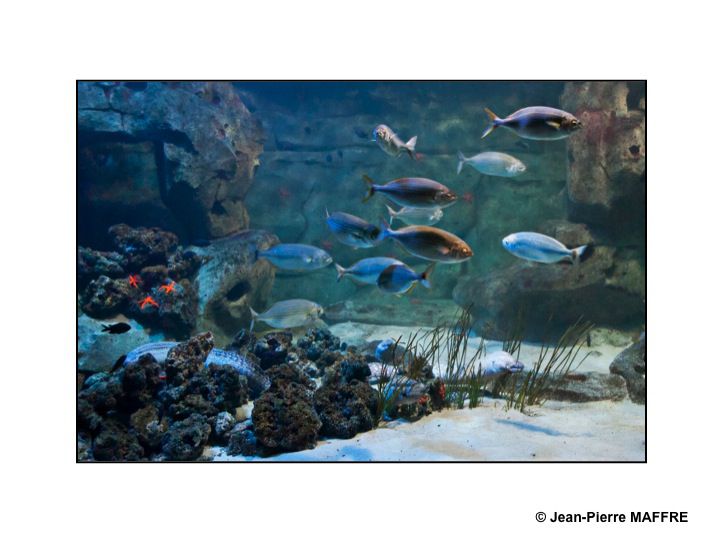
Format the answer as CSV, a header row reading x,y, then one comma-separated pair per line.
x,y
631,365
185,439
346,409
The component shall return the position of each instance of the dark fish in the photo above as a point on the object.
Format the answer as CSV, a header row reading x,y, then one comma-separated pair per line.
x,y
351,230
117,328
415,192
430,243
400,278
537,123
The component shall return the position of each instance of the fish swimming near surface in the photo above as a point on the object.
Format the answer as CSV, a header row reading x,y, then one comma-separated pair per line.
x,y
117,328
352,230
366,271
289,314
391,144
414,192
430,243
535,123
538,247
296,257
493,164
400,278
416,216
499,363
159,350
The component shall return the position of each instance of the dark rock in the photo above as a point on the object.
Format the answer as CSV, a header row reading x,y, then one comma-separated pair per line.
x,y
584,387
272,349
177,155
187,358
346,409
116,443
283,374
105,297
92,264
148,426
87,417
175,314
103,394
183,264
140,382
631,365
242,440
84,447
185,439
142,246
224,423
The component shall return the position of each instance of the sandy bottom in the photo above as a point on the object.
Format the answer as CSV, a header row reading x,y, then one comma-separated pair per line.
x,y
557,431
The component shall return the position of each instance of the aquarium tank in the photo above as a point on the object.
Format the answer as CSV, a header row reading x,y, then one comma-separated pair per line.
x,y
361,271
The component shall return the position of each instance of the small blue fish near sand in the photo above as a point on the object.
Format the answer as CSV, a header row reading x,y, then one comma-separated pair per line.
x,y
538,247
400,278
430,243
293,313
296,257
391,144
498,363
493,164
414,192
416,216
366,271
535,123
352,230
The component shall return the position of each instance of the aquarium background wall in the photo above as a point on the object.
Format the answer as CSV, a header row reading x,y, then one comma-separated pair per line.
x,y
260,162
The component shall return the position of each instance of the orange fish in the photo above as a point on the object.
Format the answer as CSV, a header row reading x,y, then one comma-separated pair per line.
x,y
148,300
134,280
168,287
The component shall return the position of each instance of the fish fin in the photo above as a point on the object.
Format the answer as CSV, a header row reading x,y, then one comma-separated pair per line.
x,y
410,147
392,213
254,314
340,270
412,287
577,253
105,328
553,124
425,276
385,231
494,122
118,363
327,214
371,187
461,161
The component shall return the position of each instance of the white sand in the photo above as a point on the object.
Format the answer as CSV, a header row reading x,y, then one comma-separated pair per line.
x,y
557,431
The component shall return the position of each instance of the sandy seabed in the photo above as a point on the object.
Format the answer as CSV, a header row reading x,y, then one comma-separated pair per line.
x,y
557,431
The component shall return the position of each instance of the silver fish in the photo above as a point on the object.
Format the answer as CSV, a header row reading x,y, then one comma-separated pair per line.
x,y
297,257
498,363
289,314
366,271
537,247
351,230
380,371
430,243
493,164
160,349
415,192
400,278
537,123
416,216
404,391
391,144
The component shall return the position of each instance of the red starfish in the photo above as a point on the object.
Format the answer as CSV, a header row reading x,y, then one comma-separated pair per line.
x,y
423,399
148,300
168,288
134,280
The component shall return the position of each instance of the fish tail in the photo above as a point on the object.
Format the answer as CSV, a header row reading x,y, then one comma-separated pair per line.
x,y
494,122
577,253
105,328
371,187
385,231
340,270
410,146
461,161
425,276
392,213
254,315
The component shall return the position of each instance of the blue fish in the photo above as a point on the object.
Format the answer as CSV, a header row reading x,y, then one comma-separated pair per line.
x,y
351,230
400,278
366,271
297,257
537,247
536,123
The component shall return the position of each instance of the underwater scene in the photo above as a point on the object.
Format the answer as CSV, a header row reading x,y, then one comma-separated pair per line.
x,y
361,271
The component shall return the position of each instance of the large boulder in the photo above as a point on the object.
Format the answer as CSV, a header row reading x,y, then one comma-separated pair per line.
x,y
177,155
631,365
98,350
606,159
231,281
